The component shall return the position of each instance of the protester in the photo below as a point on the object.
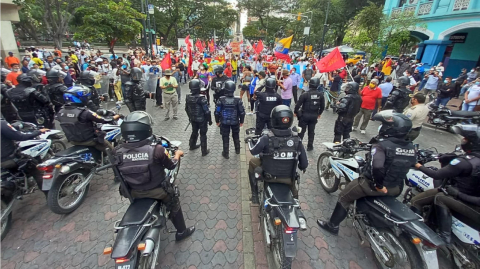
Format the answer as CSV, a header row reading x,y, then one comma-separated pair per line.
x,y
386,88
471,77
460,81
25,68
432,82
10,59
471,97
335,87
12,76
170,97
177,74
37,60
295,82
445,92
286,87
371,97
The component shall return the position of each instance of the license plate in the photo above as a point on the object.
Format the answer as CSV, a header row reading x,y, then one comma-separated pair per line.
x,y
126,265
47,184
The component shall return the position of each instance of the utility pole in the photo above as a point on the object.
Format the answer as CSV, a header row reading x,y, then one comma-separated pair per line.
x,y
144,28
149,51
325,26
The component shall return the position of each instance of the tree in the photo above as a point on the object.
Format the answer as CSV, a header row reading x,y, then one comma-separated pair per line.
x,y
375,32
108,21
30,24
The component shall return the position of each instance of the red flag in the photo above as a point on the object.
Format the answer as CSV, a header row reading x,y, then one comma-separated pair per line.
x,y
204,46
332,61
187,41
190,61
198,44
166,62
282,56
211,46
181,52
259,47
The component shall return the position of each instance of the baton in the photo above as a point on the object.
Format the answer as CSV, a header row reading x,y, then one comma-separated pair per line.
x,y
187,127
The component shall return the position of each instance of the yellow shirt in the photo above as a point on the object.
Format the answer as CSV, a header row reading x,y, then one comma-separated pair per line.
x,y
74,58
170,83
38,62
234,65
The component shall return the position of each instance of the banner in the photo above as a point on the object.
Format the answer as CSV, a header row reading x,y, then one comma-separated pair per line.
x,y
166,62
259,47
235,47
189,44
190,61
332,61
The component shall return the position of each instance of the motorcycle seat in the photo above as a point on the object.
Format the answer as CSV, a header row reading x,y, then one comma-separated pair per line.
x,y
139,212
75,150
392,207
281,194
458,113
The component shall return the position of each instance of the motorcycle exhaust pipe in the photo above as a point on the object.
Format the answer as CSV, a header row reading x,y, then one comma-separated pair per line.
x,y
266,232
150,238
85,182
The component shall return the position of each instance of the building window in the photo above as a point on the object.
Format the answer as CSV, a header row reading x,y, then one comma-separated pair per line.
x,y
402,2
425,8
461,5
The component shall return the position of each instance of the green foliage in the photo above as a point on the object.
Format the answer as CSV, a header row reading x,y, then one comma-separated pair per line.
x,y
108,21
374,32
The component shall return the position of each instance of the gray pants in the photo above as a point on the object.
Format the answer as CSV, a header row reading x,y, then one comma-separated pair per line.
x,y
413,134
179,93
362,188
170,99
367,114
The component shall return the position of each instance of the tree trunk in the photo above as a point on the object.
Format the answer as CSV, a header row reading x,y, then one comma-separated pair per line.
x,y
57,40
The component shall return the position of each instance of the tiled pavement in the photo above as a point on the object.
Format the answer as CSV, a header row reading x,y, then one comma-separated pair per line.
x,y
214,197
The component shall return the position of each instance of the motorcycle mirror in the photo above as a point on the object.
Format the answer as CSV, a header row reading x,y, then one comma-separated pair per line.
x,y
101,112
458,148
250,131
176,143
297,129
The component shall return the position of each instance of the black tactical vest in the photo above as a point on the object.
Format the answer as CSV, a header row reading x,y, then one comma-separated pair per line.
x,y
470,184
195,109
267,101
138,167
55,93
312,104
24,101
74,129
402,101
282,157
353,105
229,113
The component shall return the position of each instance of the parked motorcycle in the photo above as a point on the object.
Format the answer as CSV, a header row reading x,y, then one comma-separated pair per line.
x,y
465,246
280,215
137,243
441,116
340,162
29,146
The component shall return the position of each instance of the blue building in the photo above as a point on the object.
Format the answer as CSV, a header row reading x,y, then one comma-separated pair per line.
x,y
452,35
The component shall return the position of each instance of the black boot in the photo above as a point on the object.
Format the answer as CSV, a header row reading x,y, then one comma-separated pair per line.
x,y
179,223
226,146
237,146
253,188
338,215
309,147
205,151
225,154
193,147
444,222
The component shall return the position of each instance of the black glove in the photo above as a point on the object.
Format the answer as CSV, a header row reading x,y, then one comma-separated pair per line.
x,y
210,123
446,158
452,191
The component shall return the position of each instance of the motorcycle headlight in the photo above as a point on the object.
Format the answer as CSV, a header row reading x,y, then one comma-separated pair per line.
x,y
40,120
65,169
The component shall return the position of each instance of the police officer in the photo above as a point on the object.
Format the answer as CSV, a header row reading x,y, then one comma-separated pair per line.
x,y
199,115
347,108
145,173
280,141
135,97
9,112
388,163
463,195
77,121
32,105
308,109
230,114
55,88
87,78
267,100
218,82
400,96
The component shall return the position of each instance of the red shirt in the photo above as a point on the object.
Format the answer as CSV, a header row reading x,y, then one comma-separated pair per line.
x,y
343,74
370,96
228,72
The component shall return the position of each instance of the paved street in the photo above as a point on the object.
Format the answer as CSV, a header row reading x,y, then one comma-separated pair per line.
x,y
214,197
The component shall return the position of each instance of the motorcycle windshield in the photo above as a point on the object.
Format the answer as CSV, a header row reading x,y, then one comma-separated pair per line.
x,y
421,230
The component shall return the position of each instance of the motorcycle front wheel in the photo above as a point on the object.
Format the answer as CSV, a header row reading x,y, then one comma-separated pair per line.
x,y
57,146
407,256
61,197
6,222
328,180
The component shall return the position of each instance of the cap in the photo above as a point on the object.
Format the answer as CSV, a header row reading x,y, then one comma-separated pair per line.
x,y
168,72
285,72
10,52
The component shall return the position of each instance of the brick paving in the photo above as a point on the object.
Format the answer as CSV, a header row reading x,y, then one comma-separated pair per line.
x,y
214,197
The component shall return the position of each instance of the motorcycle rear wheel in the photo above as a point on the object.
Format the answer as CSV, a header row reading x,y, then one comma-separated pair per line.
x,y
414,261
149,262
328,181
55,193
7,222
279,258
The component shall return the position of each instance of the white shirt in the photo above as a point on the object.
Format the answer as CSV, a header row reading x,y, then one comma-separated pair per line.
x,y
473,92
195,65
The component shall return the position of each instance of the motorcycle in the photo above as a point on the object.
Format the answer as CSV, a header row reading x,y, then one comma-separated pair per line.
x,y
67,175
340,162
137,243
441,116
465,246
280,215
31,146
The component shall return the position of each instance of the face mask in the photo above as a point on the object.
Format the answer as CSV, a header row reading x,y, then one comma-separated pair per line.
x,y
371,85
173,68
106,65
66,68
124,66
15,69
473,70
477,83
405,73
445,81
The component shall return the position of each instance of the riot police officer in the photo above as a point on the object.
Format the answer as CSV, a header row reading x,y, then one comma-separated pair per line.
x,y
267,100
55,88
32,105
217,83
400,96
135,97
388,162
199,115
347,108
9,112
145,174
463,195
77,121
87,78
229,115
280,140
308,109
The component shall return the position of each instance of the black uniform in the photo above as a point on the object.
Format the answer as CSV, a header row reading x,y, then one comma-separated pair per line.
x,y
9,112
135,97
347,109
310,105
32,105
398,100
217,87
230,113
55,91
199,115
266,101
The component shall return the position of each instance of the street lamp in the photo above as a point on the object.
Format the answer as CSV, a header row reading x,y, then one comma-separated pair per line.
x,y
325,26
306,31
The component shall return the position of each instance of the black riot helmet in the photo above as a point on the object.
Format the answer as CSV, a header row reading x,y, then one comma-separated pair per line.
x,y
53,75
403,81
314,83
25,80
270,84
351,88
393,124
281,117
218,70
136,74
194,85
471,136
137,126
87,78
36,75
229,87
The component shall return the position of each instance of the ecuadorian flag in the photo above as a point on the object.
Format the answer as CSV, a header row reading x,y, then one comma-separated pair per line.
x,y
282,48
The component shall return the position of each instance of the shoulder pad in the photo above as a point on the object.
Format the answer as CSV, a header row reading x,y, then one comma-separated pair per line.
x,y
395,93
30,90
129,83
455,161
